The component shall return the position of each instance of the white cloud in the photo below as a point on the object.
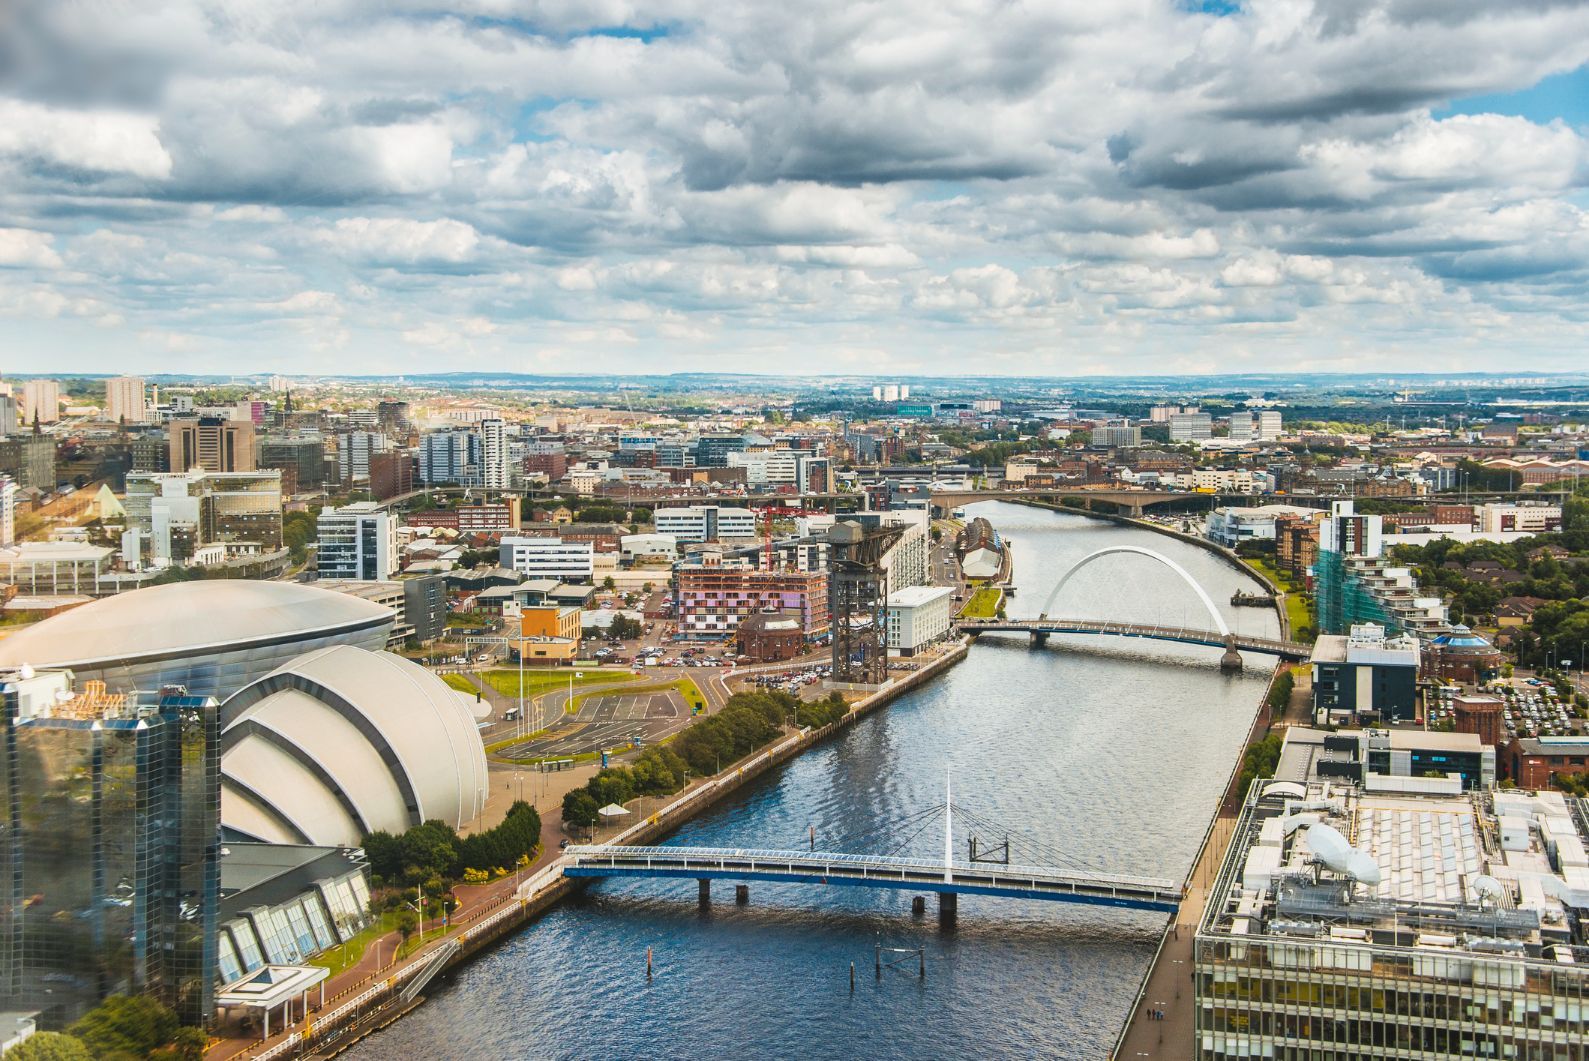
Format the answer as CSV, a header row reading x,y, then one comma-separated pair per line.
x,y
24,247
891,183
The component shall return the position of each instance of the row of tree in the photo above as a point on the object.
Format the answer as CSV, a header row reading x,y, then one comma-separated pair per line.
x,y
433,851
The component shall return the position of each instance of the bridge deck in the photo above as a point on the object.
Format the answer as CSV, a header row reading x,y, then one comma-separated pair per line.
x,y
1183,635
873,871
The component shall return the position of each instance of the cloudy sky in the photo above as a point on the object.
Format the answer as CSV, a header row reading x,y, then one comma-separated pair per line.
x,y
886,186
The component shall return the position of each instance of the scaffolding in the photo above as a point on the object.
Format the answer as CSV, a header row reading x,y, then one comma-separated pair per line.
x,y
1342,598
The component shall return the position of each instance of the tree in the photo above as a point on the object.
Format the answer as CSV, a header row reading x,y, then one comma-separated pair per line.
x,y
407,923
121,1024
580,809
50,1046
608,584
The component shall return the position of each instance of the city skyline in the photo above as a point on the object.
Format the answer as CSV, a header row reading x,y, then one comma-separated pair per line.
x,y
1158,188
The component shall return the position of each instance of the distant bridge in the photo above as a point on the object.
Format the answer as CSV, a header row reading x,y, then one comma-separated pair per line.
x,y
1220,636
1041,629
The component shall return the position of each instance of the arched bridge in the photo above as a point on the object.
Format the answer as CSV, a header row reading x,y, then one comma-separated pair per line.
x,y
1217,634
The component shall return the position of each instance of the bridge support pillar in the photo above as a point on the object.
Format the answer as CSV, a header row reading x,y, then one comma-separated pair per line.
x,y
741,894
1134,511
1039,638
1230,662
918,906
704,894
948,909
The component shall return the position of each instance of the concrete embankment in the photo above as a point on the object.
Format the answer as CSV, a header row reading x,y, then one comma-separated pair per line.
x,y
384,1002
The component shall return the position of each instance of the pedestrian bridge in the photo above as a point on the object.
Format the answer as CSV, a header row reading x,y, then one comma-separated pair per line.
x,y
873,871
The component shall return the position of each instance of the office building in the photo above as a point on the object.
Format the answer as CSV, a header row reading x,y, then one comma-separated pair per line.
x,y
152,453
301,459
1191,427
357,541
705,523
111,879
918,616
213,444
391,474
1535,518
355,449
1117,434
41,401
472,517
1269,424
711,451
548,558
1231,525
8,511
124,400
1448,926
341,742
711,600
1386,760
496,465
392,417
1243,427
450,457
29,459
1364,674
181,514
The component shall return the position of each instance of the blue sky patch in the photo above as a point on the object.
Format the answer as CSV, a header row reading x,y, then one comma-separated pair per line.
x,y
1564,96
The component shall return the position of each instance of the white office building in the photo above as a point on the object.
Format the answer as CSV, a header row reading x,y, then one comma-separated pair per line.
x,y
1191,427
1233,524
1269,424
450,457
549,558
496,465
706,523
357,541
918,616
124,400
8,511
41,398
354,450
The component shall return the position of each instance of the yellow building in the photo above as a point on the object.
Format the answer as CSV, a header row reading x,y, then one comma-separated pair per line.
x,y
549,620
548,649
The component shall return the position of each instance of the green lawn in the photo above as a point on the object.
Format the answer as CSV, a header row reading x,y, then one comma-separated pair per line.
x,y
459,682
541,680
1298,613
348,954
984,603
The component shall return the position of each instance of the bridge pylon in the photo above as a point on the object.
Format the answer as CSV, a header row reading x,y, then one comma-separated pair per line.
x,y
1039,638
1230,662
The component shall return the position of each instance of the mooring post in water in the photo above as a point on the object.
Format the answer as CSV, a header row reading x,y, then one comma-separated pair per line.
x,y
877,959
648,963
852,978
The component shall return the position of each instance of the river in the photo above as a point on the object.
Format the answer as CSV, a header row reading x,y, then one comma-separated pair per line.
x,y
1111,752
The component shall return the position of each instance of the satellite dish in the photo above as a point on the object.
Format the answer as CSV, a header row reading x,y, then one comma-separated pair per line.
x,y
1487,889
1329,846
25,672
1361,867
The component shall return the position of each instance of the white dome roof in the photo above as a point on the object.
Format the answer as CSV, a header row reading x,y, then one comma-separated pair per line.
x,y
341,742
187,618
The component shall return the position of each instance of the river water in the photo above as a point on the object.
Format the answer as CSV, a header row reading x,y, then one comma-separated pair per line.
x,y
1111,753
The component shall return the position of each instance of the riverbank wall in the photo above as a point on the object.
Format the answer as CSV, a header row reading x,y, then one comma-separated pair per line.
x,y
336,1031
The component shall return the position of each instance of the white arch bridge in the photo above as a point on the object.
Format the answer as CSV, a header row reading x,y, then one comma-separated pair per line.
x,y
1217,634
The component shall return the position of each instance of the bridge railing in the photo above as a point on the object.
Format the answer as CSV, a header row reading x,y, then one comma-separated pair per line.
x,y
726,858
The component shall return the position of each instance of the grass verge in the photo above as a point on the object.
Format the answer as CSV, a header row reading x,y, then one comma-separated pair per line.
x,y
983,603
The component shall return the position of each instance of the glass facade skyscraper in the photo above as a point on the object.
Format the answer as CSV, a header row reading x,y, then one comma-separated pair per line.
x,y
109,858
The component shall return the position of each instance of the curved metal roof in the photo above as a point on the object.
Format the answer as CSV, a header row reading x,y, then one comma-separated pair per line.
x,y
191,618
343,741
